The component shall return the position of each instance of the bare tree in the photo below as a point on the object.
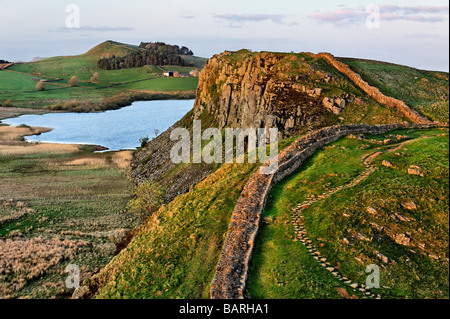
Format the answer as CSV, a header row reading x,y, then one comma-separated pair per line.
x,y
156,132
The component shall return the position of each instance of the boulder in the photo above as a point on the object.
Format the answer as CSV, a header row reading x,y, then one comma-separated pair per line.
x,y
387,164
402,239
409,206
415,170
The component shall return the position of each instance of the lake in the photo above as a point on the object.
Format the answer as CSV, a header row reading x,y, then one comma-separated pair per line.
x,y
116,130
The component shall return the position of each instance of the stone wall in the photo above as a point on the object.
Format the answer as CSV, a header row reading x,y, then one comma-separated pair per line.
x,y
232,269
375,93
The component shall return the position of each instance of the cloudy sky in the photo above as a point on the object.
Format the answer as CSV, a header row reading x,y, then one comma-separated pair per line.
x,y
408,32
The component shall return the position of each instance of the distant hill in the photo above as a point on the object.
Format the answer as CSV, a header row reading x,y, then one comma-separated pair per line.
x,y
109,48
94,92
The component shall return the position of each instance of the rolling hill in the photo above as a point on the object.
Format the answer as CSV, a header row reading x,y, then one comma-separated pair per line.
x,y
17,82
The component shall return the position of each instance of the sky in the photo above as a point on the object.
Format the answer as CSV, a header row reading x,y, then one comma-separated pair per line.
x,y
407,32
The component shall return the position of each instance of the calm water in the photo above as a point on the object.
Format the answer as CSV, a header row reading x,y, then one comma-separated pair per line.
x,y
116,130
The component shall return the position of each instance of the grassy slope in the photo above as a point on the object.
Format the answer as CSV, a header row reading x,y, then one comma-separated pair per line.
x,y
174,254
424,91
16,83
283,269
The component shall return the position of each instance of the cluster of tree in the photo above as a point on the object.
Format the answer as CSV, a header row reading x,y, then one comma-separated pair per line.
x,y
167,48
4,61
139,59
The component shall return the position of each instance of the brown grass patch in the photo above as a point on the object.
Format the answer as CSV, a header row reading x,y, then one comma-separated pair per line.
x,y
22,261
123,159
14,134
86,161
16,150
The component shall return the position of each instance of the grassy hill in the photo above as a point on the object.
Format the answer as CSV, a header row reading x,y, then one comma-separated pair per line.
x,y
18,82
175,252
425,91
363,224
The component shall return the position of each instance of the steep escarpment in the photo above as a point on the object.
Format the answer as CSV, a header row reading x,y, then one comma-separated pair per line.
x,y
293,92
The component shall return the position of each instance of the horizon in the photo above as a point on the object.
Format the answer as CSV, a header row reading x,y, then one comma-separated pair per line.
x,y
408,33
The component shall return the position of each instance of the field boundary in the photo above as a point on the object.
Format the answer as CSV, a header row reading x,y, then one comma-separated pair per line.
x,y
231,275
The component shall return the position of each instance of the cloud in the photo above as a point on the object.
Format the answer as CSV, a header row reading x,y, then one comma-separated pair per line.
x,y
187,17
388,12
238,20
92,29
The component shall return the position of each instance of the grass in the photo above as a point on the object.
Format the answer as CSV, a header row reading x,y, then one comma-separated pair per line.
x,y
281,267
17,85
174,253
164,84
424,91
80,205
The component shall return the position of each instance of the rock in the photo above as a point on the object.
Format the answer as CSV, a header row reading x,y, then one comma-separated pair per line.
x,y
387,164
409,206
383,258
82,292
376,226
415,170
340,103
402,239
372,211
362,237
354,286
402,217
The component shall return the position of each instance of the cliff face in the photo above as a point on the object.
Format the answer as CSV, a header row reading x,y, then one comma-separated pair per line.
x,y
292,92
261,90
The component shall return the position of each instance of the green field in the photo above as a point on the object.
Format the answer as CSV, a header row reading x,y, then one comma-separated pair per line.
x,y
283,268
17,85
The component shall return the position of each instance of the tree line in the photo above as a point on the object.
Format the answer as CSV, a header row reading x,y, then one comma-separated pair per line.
x,y
140,59
169,49
4,61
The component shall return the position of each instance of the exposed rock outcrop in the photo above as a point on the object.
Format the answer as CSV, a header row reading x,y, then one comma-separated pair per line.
x,y
259,91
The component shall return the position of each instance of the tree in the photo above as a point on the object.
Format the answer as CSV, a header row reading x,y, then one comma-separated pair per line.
x,y
73,81
95,77
40,86
149,196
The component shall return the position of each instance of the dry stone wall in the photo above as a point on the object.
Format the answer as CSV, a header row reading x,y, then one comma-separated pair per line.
x,y
232,269
375,93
